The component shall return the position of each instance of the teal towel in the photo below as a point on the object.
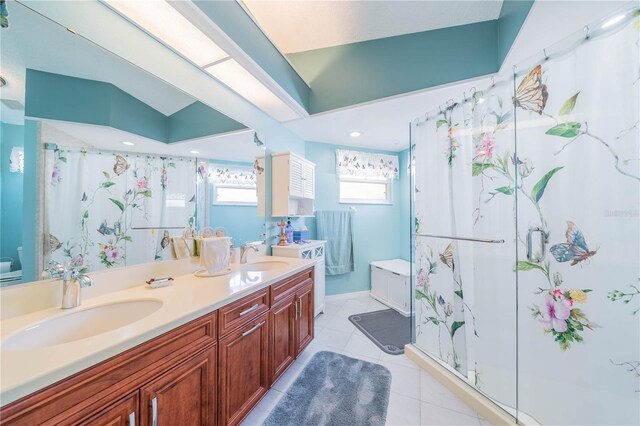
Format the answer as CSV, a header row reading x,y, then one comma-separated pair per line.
x,y
336,228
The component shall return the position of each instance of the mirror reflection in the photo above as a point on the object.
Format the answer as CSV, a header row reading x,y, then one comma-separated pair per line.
x,y
103,169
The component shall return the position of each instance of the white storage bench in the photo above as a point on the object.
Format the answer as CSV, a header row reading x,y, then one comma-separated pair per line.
x,y
390,284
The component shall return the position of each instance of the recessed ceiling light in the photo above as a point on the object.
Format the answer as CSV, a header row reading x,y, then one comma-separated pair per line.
x,y
194,152
128,143
354,134
613,21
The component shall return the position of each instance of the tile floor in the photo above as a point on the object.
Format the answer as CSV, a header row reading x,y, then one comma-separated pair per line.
x,y
416,398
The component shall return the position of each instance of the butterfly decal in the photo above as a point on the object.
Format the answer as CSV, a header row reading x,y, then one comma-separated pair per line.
x,y
447,257
531,94
575,249
121,165
105,230
84,197
54,243
165,239
256,166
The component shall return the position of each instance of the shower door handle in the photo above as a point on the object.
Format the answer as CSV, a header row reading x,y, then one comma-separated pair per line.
x,y
543,244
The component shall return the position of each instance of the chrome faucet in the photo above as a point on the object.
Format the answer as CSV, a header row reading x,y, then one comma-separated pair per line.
x,y
244,250
72,282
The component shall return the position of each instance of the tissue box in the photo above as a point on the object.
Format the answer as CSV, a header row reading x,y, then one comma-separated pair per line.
x,y
300,235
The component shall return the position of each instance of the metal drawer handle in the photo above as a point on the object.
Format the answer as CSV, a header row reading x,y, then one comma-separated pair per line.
x,y
154,411
132,418
254,328
251,309
295,303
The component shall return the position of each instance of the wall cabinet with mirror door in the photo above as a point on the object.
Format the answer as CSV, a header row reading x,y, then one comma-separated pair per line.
x,y
130,160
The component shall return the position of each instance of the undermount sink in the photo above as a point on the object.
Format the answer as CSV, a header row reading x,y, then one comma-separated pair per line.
x,y
81,324
269,265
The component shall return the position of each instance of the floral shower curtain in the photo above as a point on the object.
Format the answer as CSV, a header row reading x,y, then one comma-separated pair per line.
x,y
554,151
106,210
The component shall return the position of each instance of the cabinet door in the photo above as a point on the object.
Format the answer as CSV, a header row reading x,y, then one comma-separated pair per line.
x,y
244,370
304,322
283,330
122,413
185,395
378,283
398,292
308,181
295,178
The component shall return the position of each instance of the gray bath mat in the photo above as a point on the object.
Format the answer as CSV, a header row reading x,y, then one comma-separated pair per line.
x,y
335,390
388,329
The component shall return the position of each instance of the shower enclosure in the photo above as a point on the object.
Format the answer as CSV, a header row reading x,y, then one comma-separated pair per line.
x,y
526,240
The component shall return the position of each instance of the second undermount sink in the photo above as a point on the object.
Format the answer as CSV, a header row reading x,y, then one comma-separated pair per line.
x,y
267,265
81,323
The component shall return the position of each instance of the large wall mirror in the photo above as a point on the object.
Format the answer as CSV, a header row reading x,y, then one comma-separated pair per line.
x,y
103,164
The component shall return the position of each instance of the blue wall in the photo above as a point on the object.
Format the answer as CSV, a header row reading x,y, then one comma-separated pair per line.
x,y
11,185
380,231
31,198
360,72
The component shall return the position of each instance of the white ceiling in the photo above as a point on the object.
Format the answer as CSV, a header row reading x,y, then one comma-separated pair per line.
x,y
299,25
32,41
237,146
385,124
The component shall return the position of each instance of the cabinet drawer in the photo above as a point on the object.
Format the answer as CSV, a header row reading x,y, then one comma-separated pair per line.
x,y
289,286
75,397
242,311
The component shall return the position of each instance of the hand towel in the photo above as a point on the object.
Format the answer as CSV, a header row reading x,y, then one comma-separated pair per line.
x,y
215,254
180,248
336,228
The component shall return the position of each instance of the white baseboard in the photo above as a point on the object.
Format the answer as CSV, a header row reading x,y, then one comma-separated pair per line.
x,y
348,295
474,399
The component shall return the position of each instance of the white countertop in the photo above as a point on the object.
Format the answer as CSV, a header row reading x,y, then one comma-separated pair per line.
x,y
27,370
295,246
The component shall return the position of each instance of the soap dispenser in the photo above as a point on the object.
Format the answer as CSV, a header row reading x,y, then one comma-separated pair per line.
x,y
288,230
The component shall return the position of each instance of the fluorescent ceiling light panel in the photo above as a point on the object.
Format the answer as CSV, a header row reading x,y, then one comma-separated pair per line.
x,y
246,85
168,25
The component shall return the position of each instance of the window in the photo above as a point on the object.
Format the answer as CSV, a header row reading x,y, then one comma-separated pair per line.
x,y
235,194
365,191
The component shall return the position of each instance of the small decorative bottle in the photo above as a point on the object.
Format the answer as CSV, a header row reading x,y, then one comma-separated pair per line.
x,y
288,230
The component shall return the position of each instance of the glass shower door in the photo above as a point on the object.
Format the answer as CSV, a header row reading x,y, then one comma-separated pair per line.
x,y
578,193
464,242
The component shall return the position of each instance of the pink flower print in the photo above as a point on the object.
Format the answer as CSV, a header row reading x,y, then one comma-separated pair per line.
x,y
55,175
111,253
487,147
77,261
558,311
142,184
422,278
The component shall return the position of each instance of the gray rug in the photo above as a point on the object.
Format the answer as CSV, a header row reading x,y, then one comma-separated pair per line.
x,y
388,329
335,390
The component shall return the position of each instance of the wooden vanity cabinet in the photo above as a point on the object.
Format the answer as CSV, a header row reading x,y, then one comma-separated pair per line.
x,y
292,315
244,372
107,393
212,370
121,413
184,395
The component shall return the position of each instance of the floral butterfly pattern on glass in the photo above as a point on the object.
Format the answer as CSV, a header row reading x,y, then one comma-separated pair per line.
x,y
447,257
54,243
531,94
575,249
120,166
